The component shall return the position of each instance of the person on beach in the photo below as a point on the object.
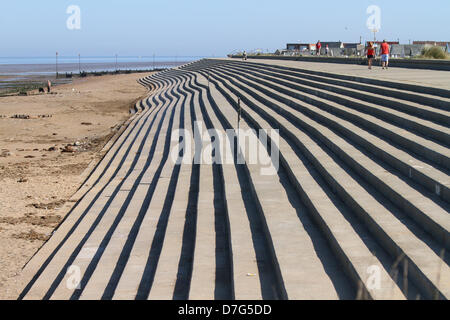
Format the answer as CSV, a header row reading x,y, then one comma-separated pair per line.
x,y
318,47
245,56
49,86
370,54
385,55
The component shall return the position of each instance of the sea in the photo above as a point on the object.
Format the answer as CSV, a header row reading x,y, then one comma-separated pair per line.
x,y
18,70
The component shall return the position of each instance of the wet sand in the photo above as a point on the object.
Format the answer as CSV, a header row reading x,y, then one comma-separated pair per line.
x,y
44,151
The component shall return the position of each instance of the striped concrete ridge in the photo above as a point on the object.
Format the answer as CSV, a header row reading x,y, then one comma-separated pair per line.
x,y
358,209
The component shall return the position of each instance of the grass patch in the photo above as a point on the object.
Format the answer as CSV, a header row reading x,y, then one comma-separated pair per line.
x,y
21,89
434,53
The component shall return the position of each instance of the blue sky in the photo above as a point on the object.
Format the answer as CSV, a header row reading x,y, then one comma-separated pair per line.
x,y
206,27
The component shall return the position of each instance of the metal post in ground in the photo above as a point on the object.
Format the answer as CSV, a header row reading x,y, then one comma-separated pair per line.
x,y
79,63
56,65
239,111
239,128
208,79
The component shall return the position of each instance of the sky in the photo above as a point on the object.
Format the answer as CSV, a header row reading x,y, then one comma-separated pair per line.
x,y
206,27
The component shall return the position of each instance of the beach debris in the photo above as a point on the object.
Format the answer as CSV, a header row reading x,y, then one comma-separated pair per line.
x,y
48,206
77,146
51,149
27,116
5,153
31,218
69,149
22,180
86,124
21,116
251,275
29,157
32,236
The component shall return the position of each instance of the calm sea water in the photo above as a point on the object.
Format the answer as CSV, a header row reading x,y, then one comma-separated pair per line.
x,y
29,68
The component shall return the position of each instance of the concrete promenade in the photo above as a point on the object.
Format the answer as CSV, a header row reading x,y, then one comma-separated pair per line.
x,y
432,78
357,207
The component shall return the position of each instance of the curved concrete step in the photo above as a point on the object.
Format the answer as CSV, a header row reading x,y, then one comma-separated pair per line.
x,y
353,195
87,222
346,201
426,148
293,238
353,254
433,179
383,91
401,193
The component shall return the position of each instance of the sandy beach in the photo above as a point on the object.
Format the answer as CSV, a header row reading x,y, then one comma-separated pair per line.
x,y
46,143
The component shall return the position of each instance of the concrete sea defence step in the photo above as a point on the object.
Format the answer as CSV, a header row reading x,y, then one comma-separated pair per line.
x,y
441,235
368,206
361,189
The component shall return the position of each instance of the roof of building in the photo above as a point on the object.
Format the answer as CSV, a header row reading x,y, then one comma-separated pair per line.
x,y
435,43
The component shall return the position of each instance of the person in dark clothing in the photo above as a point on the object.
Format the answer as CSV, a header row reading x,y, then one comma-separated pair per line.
x,y
370,54
318,47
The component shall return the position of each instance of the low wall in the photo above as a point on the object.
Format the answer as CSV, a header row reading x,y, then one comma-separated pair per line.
x,y
393,62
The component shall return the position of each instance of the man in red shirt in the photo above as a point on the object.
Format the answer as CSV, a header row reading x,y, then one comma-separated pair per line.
x,y
384,54
318,47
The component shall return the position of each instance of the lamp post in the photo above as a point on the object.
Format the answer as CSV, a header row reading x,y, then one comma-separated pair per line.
x,y
375,35
239,112
239,128
56,65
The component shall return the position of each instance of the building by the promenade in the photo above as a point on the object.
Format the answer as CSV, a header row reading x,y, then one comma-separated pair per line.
x,y
336,48
339,48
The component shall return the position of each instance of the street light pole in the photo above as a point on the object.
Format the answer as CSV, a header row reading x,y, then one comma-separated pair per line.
x,y
238,153
56,65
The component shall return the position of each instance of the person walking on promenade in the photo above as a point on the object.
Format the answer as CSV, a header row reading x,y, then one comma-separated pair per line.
x,y
327,50
370,54
49,86
318,47
385,54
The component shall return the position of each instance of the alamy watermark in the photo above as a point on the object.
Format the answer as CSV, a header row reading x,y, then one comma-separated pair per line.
x,y
374,278
374,20
234,146
74,20
74,280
